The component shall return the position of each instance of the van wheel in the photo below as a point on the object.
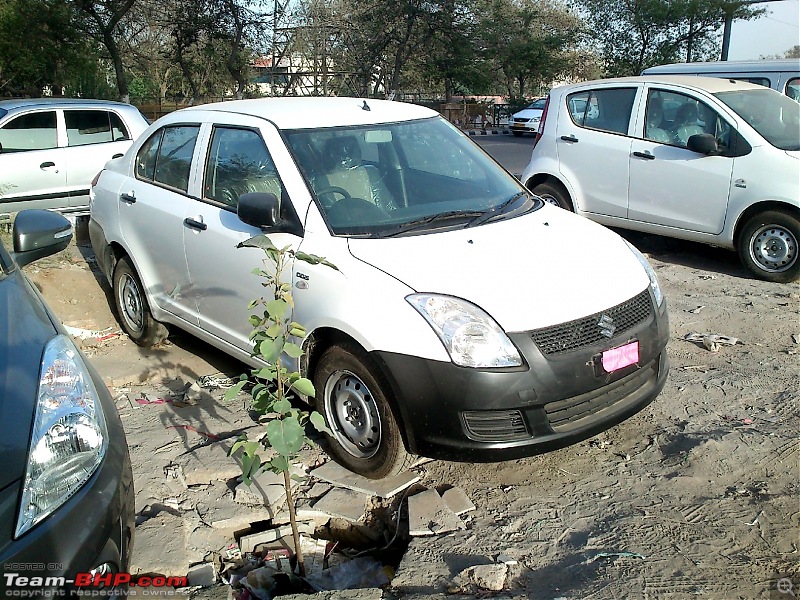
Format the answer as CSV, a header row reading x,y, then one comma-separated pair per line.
x,y
553,194
768,246
351,395
134,312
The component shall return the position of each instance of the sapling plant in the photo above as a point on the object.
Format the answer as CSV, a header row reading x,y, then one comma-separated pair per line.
x,y
273,384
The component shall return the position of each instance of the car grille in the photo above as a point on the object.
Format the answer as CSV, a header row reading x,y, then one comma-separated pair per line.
x,y
521,120
580,333
564,414
495,425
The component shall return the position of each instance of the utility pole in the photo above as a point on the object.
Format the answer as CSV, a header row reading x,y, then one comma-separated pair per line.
x,y
730,10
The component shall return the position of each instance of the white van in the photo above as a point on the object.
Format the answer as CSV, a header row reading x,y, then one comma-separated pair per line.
x,y
782,75
467,320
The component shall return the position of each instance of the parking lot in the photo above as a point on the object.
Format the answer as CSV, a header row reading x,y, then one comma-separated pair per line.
x,y
696,496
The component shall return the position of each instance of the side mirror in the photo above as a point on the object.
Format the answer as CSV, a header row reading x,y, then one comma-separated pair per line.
x,y
259,209
39,233
703,143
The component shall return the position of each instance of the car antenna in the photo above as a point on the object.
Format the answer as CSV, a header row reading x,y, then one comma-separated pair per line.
x,y
365,106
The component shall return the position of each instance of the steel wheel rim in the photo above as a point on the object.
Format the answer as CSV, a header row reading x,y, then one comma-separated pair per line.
x,y
352,414
130,301
550,199
773,248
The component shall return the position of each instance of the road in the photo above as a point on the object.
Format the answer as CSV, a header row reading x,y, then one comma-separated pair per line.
x,y
513,153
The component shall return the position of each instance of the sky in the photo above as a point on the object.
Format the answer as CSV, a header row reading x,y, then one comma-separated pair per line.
x,y
773,34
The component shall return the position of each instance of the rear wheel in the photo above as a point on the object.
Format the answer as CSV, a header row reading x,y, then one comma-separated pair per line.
x,y
352,395
768,246
134,312
553,194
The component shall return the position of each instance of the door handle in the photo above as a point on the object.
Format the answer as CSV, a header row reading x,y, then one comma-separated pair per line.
x,y
193,224
646,154
569,138
128,198
47,165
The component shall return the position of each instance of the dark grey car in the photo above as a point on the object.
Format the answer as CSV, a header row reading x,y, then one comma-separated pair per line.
x,y
66,486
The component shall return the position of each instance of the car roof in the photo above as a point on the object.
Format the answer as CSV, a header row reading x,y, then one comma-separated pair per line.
x,y
742,67
56,103
712,85
313,112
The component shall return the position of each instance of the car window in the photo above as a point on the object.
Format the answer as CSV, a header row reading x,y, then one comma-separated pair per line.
x,y
793,88
672,118
538,104
238,163
166,157
31,131
775,116
86,127
603,109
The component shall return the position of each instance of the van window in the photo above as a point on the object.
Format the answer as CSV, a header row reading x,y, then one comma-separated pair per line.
x,y
793,88
756,80
604,109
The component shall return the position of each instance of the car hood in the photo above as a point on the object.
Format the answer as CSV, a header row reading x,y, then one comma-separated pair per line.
x,y
528,113
546,267
25,328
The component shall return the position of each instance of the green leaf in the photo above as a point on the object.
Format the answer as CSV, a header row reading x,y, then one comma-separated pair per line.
x,y
281,405
267,373
279,464
240,441
254,321
234,390
274,330
318,421
258,241
293,350
277,308
304,386
286,436
250,467
270,350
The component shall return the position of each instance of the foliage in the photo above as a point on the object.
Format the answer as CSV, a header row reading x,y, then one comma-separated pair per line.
x,y
632,35
272,335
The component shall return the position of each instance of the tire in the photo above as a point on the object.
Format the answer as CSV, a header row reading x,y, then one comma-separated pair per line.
x,y
516,133
768,246
352,396
132,308
553,194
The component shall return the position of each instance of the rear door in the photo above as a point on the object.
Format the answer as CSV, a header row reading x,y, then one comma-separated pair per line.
x,y
32,166
152,206
669,184
593,146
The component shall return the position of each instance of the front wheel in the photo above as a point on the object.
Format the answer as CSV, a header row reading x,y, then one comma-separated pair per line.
x,y
134,312
768,246
553,194
352,396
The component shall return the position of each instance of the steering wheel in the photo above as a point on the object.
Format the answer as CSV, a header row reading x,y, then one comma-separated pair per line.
x,y
325,195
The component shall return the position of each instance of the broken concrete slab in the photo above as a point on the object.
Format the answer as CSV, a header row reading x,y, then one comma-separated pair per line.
x,y
207,464
487,577
383,488
248,542
457,500
203,575
169,534
429,515
343,503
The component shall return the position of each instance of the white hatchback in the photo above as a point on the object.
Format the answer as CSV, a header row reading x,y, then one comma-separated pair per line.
x,y
458,324
703,159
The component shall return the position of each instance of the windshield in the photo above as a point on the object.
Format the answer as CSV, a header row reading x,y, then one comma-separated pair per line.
x,y
392,179
539,104
775,116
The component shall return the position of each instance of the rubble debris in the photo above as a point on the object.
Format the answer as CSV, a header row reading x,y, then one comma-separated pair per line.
x,y
429,515
85,334
711,341
487,577
342,503
457,500
359,573
203,575
215,381
383,488
249,542
207,464
600,555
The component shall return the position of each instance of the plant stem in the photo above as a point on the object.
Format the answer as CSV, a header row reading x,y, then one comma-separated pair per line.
x,y
301,567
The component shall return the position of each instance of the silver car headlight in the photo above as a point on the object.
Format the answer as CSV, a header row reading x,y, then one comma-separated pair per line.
x,y
471,337
651,274
69,437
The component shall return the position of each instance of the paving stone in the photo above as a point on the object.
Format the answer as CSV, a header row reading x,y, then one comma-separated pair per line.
x,y
343,503
207,464
163,546
383,488
457,500
248,542
429,515
202,575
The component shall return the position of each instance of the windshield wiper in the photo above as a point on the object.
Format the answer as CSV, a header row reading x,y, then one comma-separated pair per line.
x,y
497,210
429,220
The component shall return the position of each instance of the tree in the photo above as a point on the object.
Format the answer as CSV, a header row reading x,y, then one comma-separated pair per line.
x,y
632,35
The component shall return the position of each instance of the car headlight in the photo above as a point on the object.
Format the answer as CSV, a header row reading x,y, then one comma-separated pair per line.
x,y
471,337
69,437
654,285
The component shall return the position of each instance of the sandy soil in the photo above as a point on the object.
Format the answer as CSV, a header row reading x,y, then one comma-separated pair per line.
x,y
696,496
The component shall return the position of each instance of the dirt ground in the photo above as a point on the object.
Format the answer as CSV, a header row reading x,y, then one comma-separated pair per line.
x,y
696,496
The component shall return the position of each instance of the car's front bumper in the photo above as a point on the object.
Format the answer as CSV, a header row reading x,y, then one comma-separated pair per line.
x,y
93,528
555,400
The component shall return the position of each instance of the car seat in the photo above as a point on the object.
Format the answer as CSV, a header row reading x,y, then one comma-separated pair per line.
x,y
686,123
653,119
345,170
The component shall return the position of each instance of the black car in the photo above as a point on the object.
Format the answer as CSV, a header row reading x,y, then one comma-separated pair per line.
x,y
66,485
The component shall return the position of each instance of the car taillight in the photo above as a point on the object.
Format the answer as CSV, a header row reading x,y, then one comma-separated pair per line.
x,y
96,177
540,131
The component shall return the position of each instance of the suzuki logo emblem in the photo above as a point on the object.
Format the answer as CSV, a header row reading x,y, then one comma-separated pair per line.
x,y
606,325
